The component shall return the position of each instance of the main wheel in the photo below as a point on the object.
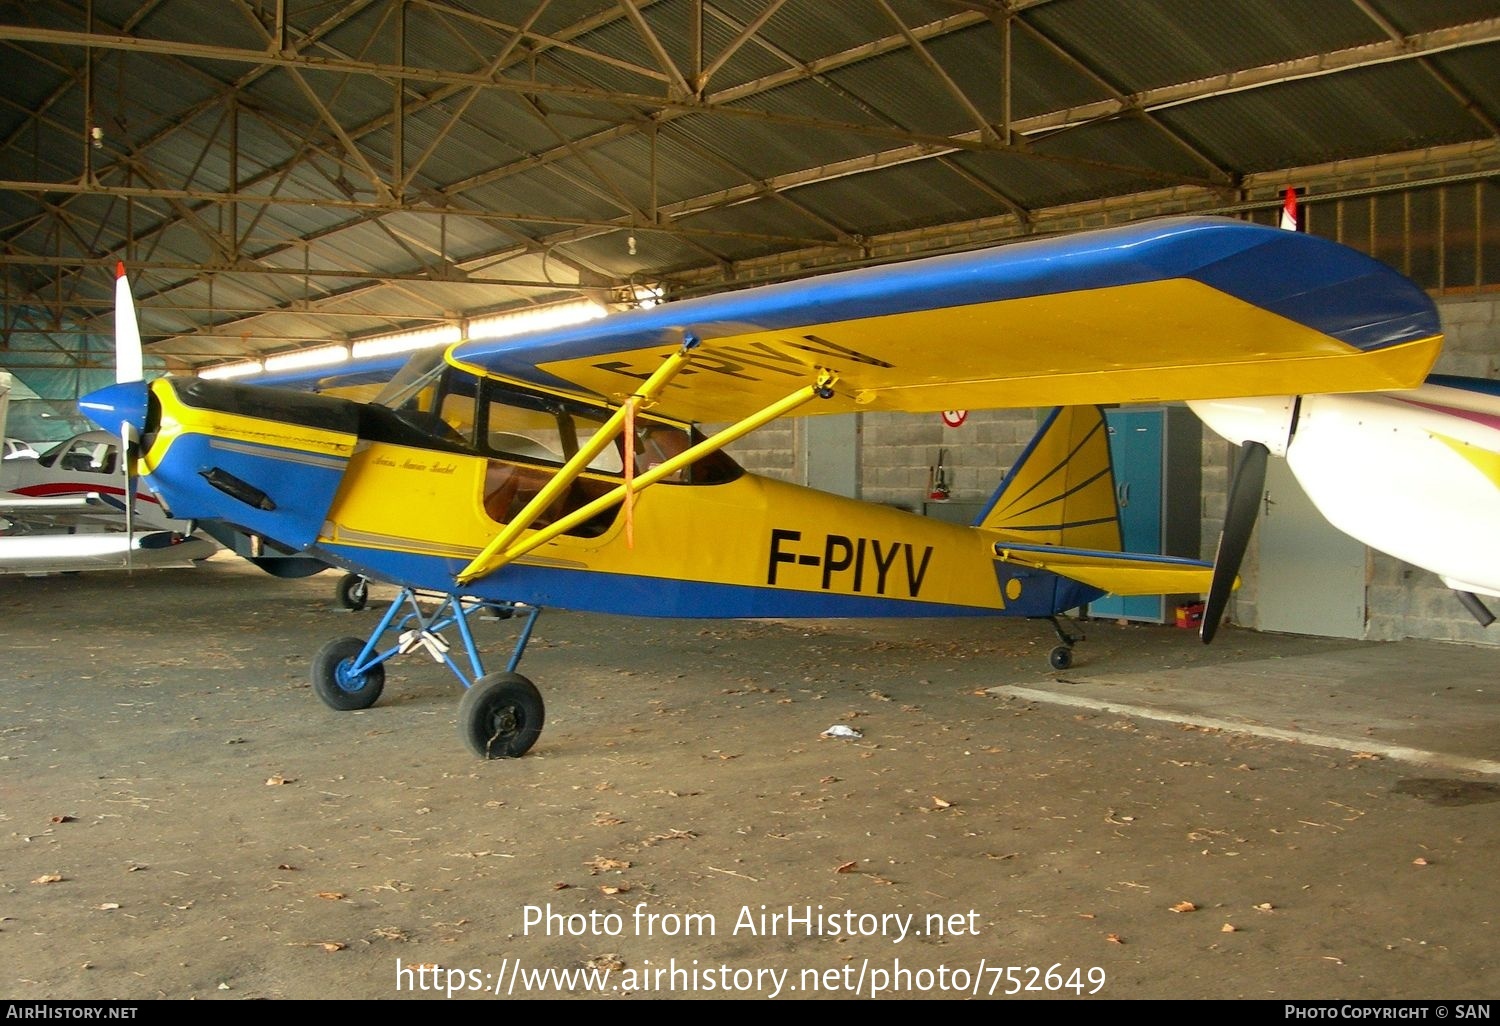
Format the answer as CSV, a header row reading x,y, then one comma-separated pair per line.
x,y
336,683
353,592
1061,657
501,716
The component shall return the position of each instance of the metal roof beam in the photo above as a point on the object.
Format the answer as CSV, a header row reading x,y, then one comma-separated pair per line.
x,y
1465,100
1474,34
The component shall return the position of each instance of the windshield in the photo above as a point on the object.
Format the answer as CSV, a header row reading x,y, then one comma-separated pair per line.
x,y
420,372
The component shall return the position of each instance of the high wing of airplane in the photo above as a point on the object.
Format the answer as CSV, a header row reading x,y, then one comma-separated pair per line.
x,y
567,468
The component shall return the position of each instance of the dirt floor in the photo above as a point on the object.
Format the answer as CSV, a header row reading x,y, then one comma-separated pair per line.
x,y
180,817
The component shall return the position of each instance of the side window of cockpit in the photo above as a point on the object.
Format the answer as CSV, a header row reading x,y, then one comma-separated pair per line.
x,y
655,444
457,411
89,458
586,424
525,428
75,457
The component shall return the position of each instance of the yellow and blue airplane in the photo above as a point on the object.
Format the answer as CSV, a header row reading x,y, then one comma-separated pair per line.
x,y
567,468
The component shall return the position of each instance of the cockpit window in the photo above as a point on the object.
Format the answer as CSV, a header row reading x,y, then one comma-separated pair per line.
x,y
89,458
527,427
509,422
420,374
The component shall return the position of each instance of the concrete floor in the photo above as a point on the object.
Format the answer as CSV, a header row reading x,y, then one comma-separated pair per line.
x,y
1271,817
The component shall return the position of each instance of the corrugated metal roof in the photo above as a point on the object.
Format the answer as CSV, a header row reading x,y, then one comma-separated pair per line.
x,y
529,155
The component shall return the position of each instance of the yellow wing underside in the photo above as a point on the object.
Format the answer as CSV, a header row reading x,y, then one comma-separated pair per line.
x,y
1146,342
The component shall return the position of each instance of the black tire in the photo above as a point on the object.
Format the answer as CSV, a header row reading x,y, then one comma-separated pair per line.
x,y
353,592
1061,657
501,716
336,686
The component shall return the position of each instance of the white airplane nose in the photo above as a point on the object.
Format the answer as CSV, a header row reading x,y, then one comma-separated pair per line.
x,y
1265,419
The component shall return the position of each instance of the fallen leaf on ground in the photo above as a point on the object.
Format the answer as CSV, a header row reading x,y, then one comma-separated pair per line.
x,y
325,945
602,863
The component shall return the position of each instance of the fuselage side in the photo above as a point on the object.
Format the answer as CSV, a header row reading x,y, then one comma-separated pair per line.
x,y
363,488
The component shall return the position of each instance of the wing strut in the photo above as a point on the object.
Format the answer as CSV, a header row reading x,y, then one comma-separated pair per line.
x,y
499,553
644,396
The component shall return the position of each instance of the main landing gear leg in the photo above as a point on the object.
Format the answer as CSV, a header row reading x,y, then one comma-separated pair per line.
x,y
501,713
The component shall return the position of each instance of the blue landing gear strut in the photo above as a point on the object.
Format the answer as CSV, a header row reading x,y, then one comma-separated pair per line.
x,y
501,713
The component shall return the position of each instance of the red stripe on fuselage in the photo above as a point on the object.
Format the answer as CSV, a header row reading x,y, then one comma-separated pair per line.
x,y
63,488
1488,420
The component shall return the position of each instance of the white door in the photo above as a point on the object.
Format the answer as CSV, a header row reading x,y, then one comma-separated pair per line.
x,y
1312,576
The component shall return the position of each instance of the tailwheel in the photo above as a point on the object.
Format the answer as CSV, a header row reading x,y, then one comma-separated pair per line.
x,y
500,717
1061,657
340,681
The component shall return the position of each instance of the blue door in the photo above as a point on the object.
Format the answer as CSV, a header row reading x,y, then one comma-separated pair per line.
x,y
1137,440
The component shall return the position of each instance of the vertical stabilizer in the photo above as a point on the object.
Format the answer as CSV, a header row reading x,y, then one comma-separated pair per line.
x,y
1062,490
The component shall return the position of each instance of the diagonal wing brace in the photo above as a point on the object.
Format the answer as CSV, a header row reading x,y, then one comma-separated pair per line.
x,y
507,546
644,396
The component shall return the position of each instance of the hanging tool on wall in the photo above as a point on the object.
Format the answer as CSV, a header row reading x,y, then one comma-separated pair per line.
x,y
937,479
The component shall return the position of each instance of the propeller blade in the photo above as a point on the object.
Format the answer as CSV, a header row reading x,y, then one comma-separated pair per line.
x,y
1239,519
127,467
129,363
130,366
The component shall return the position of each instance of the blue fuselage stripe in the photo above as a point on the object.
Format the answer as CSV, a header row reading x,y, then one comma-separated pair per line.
x,y
593,591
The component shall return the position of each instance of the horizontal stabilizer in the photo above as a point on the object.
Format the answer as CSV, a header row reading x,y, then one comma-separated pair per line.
x,y
1123,573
